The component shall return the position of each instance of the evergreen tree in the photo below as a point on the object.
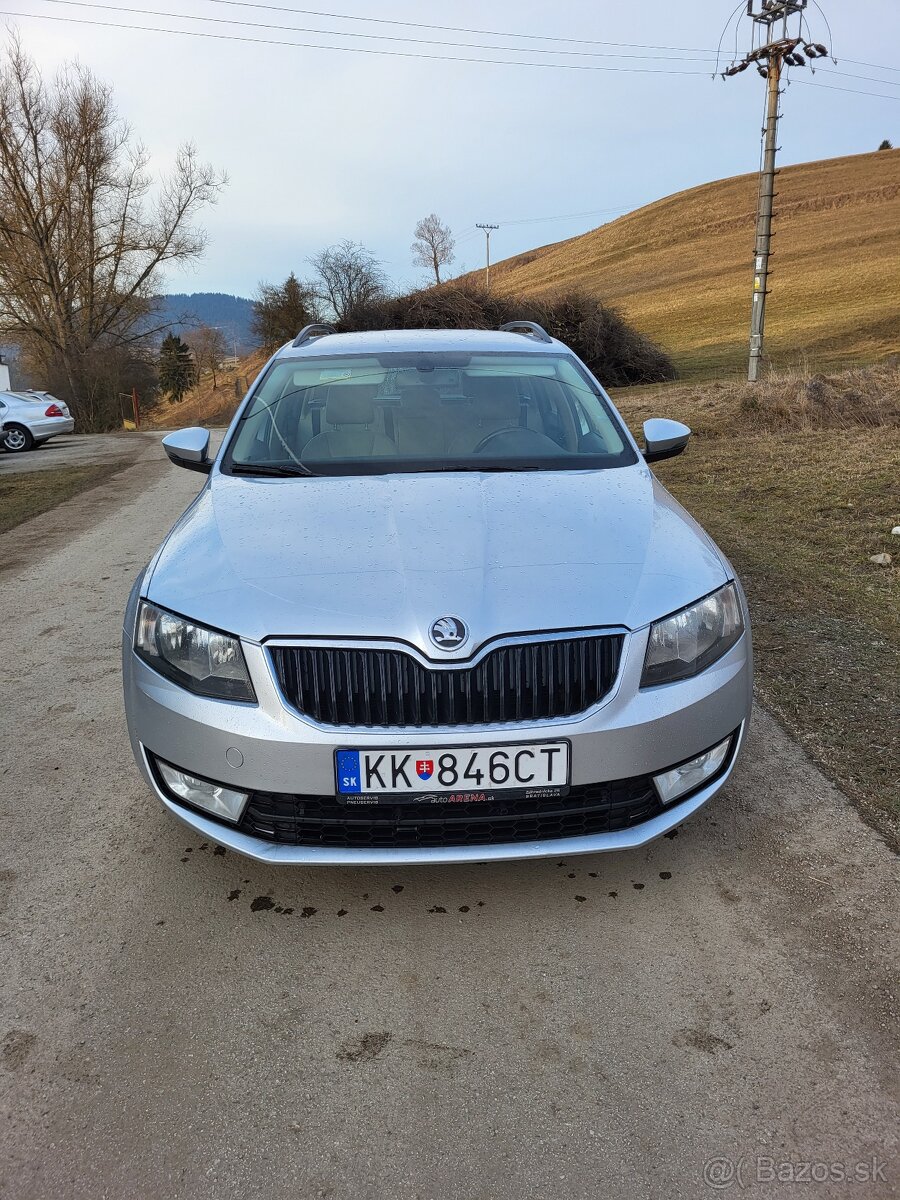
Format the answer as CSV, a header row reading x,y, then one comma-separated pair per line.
x,y
176,367
281,311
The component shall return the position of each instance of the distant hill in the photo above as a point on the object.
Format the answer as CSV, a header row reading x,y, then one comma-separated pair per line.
x,y
187,311
231,313
680,269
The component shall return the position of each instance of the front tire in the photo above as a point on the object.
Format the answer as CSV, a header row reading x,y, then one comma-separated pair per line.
x,y
16,439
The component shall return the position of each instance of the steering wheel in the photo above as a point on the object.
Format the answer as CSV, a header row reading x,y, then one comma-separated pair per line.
x,y
531,434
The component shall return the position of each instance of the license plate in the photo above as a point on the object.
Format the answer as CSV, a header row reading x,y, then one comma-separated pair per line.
x,y
439,775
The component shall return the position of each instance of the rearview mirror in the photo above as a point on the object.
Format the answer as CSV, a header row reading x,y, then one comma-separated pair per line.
x,y
664,438
189,448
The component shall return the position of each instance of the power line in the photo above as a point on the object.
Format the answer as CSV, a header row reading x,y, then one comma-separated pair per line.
x,y
833,87
500,33
736,10
472,231
415,41
825,19
427,41
539,37
592,212
852,75
226,37
382,37
854,62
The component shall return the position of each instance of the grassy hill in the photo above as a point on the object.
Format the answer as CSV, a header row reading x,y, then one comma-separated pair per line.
x,y
206,405
681,269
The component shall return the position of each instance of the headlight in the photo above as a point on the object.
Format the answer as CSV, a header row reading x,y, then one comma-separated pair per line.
x,y
691,640
202,660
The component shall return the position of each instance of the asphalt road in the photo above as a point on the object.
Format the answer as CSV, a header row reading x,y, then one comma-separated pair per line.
x,y
176,1021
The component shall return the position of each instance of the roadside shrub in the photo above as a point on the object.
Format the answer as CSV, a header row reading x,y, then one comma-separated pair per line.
x,y
616,353
867,396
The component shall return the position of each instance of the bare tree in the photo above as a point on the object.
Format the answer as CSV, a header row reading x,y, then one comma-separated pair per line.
x,y
281,310
209,346
347,275
84,230
434,245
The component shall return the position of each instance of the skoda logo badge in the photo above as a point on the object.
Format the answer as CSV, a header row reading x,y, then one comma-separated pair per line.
x,y
448,632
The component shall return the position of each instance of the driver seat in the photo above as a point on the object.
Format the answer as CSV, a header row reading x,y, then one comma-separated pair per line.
x,y
495,405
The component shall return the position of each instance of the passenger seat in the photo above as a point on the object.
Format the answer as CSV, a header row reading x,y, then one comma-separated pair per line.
x,y
421,423
350,414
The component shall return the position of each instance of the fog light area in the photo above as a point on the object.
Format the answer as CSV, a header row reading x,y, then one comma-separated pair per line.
x,y
672,784
216,799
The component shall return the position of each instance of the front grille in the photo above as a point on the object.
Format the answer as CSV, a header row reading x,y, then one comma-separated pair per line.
x,y
321,821
360,686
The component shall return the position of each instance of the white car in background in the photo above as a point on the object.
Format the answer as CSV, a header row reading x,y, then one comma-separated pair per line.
x,y
29,418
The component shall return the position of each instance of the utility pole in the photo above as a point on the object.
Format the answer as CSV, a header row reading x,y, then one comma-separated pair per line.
x,y
228,331
773,49
487,249
765,205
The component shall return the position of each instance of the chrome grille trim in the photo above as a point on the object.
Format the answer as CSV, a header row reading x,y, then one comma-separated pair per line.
x,y
384,685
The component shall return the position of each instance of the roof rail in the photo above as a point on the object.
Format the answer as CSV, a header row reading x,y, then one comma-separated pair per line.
x,y
308,332
528,328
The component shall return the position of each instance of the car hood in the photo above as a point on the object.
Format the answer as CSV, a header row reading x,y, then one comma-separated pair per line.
x,y
386,555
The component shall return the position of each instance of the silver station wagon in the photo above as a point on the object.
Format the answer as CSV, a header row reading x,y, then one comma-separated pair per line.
x,y
432,605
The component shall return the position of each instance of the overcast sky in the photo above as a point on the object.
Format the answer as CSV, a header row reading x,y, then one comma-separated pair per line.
x,y
322,144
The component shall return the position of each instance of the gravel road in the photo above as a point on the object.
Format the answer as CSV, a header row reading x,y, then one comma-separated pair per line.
x,y
176,1021
78,450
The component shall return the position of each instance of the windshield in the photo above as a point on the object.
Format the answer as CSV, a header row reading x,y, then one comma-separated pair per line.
x,y
426,412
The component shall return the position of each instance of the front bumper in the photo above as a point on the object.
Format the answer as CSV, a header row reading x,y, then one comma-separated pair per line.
x,y
630,733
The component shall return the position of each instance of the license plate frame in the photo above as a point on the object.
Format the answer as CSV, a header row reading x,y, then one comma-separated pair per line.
x,y
513,788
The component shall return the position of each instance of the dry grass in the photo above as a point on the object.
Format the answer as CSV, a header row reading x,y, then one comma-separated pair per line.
x,y
27,494
680,270
800,502
801,400
205,405
798,399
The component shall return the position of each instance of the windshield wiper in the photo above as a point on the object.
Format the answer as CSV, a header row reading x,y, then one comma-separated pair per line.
x,y
270,469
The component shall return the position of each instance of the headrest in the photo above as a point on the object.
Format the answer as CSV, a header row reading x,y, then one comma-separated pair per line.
x,y
495,397
350,405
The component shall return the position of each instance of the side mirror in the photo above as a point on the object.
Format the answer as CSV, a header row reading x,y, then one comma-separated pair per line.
x,y
664,439
189,448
